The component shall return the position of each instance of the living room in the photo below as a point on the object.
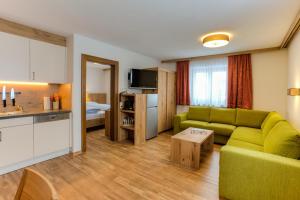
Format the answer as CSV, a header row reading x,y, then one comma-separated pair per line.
x,y
203,99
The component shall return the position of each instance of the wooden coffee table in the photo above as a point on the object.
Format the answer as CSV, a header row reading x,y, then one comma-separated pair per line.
x,y
188,145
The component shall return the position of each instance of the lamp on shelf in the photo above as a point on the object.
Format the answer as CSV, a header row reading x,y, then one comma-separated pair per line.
x,y
294,91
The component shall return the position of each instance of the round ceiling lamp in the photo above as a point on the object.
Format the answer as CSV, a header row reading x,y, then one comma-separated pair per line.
x,y
215,40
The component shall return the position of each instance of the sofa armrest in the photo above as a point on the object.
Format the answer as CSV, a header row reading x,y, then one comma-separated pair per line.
x,y
246,175
177,120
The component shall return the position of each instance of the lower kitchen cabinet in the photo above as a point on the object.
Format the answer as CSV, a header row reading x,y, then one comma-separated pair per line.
x,y
25,141
16,144
51,136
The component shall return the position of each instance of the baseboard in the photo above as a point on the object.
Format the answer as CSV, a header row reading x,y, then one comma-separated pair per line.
x,y
26,163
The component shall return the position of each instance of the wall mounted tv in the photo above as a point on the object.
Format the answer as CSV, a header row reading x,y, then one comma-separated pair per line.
x,y
142,78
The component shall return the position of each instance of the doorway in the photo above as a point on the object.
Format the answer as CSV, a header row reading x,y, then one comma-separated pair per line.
x,y
113,96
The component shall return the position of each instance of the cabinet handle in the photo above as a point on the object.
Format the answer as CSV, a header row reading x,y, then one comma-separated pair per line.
x,y
52,117
0,136
33,75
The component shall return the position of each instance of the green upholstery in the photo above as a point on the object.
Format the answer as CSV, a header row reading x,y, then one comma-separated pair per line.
x,y
192,123
223,115
283,140
253,175
271,120
177,121
220,139
251,135
250,118
259,161
244,144
199,113
221,129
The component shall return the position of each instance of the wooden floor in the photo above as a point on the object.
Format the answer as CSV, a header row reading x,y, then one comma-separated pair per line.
x,y
117,171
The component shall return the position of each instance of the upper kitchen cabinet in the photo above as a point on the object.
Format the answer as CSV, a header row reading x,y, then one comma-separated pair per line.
x,y
47,62
14,58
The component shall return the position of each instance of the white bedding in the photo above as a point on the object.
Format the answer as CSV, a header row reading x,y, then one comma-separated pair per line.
x,y
96,115
93,105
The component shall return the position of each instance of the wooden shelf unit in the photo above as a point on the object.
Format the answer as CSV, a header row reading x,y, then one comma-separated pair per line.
x,y
128,127
138,129
128,111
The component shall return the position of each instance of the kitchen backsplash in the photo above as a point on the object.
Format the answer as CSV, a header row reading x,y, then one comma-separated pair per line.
x,y
31,97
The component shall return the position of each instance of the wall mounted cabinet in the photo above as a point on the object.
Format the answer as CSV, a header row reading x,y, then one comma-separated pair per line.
x,y
14,57
23,59
47,62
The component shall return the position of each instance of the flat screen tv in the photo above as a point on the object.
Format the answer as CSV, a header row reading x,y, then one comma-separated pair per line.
x,y
142,78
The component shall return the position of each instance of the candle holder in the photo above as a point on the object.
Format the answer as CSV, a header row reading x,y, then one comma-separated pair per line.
x,y
4,103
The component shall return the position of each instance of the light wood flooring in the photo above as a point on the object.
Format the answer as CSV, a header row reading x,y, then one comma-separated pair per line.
x,y
110,170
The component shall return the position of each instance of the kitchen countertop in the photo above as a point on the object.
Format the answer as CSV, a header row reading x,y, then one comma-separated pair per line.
x,y
27,113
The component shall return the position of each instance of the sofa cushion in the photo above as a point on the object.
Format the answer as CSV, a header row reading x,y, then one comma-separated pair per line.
x,y
246,145
223,115
199,113
283,140
221,129
250,135
271,120
192,123
250,118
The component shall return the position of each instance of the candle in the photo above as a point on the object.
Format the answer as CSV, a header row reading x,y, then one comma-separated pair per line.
x,y
12,96
12,93
4,93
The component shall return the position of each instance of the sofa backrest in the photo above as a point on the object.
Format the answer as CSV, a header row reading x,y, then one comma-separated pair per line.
x,y
250,118
283,140
223,115
271,120
199,113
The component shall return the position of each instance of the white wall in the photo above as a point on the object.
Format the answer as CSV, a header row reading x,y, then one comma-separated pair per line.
x,y
269,73
98,79
84,45
293,105
95,80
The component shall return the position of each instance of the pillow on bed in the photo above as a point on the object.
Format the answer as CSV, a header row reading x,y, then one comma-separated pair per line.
x,y
93,105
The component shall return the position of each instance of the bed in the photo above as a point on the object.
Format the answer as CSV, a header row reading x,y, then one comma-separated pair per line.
x,y
95,109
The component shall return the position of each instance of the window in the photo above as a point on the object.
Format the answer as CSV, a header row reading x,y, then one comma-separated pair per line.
x,y
208,82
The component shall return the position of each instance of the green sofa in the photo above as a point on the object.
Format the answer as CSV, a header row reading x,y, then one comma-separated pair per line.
x,y
261,157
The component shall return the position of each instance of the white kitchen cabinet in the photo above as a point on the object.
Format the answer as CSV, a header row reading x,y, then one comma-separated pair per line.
x,y
16,144
51,136
25,141
14,58
47,62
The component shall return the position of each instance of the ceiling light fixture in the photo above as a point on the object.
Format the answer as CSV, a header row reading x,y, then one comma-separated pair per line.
x,y
294,91
215,40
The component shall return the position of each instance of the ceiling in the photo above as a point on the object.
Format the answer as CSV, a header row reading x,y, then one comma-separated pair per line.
x,y
162,29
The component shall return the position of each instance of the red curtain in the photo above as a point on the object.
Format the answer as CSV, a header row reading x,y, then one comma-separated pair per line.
x,y
240,93
183,83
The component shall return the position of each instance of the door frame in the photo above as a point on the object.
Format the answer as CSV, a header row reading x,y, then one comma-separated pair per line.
x,y
114,96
